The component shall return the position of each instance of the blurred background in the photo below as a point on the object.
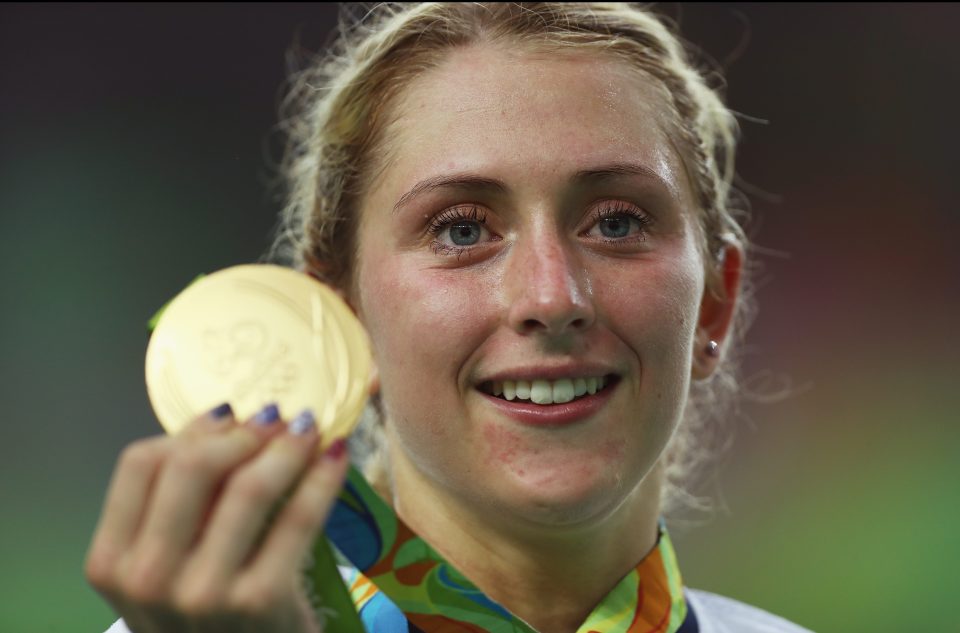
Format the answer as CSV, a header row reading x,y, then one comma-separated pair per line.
x,y
134,144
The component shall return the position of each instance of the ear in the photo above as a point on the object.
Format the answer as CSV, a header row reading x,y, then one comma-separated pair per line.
x,y
374,379
717,308
374,386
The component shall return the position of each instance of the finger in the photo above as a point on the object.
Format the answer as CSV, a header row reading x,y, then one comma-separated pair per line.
x,y
123,508
130,488
248,500
216,420
195,468
265,425
302,518
267,422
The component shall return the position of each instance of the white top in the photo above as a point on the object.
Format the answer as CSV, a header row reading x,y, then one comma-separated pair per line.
x,y
715,614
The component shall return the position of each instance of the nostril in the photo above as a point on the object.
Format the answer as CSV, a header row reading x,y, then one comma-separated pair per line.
x,y
530,325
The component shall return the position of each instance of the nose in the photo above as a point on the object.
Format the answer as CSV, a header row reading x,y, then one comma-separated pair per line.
x,y
549,289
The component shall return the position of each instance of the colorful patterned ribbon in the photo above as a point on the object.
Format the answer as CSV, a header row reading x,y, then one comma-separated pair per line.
x,y
401,584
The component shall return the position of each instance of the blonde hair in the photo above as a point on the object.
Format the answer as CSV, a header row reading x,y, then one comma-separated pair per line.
x,y
338,107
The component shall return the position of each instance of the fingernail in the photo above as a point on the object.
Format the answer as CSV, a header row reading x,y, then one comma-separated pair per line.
x,y
303,423
336,450
221,412
268,415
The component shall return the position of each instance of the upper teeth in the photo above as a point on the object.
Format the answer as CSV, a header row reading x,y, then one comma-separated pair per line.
x,y
547,391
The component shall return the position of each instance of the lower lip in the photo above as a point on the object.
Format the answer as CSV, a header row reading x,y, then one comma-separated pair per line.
x,y
564,414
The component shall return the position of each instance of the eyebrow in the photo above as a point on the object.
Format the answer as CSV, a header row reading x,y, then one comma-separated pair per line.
x,y
481,183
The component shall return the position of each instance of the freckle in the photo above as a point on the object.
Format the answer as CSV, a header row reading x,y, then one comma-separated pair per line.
x,y
501,443
613,449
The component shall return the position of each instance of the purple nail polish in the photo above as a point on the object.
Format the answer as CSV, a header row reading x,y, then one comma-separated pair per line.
x,y
302,424
268,415
221,412
336,450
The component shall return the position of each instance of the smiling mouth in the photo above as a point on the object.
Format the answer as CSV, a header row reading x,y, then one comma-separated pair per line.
x,y
546,392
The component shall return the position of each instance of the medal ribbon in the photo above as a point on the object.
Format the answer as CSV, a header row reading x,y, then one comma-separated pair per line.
x,y
402,585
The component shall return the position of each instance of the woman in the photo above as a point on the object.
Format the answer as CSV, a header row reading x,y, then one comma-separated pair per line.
x,y
529,208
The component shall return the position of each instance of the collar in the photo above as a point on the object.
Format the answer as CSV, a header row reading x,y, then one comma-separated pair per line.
x,y
399,583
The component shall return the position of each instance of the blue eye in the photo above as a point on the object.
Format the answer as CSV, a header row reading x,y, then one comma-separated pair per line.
x,y
615,226
465,233
620,222
457,230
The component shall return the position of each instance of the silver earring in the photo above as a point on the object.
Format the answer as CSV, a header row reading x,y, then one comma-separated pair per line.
x,y
713,349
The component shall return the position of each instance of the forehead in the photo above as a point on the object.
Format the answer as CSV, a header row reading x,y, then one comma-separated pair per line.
x,y
511,111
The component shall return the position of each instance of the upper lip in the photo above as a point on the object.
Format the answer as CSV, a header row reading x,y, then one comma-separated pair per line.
x,y
549,372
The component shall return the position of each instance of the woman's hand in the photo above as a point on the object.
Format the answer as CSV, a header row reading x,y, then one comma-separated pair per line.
x,y
184,542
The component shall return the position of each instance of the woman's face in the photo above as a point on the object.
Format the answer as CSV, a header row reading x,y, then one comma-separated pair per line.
x,y
533,224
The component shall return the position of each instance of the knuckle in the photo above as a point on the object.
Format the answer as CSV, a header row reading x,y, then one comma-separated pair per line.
x,y
99,569
141,454
198,599
302,517
256,598
145,580
252,488
143,588
194,460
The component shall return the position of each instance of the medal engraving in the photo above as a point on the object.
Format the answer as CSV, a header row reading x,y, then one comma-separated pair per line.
x,y
255,334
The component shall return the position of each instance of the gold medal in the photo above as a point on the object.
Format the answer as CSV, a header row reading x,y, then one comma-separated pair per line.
x,y
255,334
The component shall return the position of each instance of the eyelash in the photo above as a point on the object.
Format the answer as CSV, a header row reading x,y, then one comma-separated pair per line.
x,y
614,209
445,218
443,221
448,216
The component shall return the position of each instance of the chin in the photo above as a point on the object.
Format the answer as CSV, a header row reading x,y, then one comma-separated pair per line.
x,y
566,496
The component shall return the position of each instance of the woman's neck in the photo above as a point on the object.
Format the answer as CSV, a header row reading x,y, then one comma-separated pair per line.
x,y
518,565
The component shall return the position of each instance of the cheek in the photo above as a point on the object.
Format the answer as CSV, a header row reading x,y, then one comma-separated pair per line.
x,y
654,306
423,324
